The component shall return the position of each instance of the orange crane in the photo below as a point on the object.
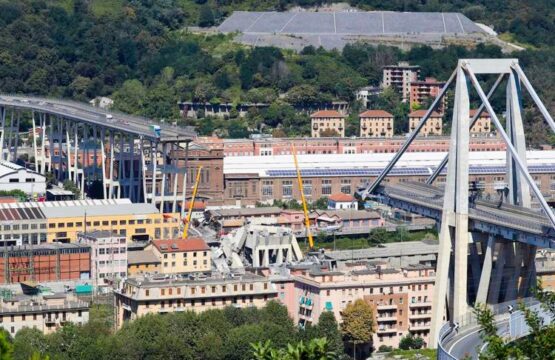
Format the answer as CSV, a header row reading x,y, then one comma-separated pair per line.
x,y
305,207
191,204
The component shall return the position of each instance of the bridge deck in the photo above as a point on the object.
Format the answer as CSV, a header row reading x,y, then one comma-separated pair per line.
x,y
524,220
96,116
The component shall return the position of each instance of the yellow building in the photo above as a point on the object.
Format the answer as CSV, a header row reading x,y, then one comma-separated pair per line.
x,y
376,123
434,125
182,255
482,124
135,221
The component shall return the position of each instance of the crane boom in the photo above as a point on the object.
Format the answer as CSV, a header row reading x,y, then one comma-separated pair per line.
x,y
305,208
192,204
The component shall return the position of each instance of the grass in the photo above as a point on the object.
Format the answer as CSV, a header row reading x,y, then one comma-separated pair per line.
x,y
413,354
509,37
106,7
355,243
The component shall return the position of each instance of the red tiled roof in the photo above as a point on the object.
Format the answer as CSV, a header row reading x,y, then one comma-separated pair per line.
x,y
180,245
341,197
421,113
375,113
7,200
327,114
483,114
198,205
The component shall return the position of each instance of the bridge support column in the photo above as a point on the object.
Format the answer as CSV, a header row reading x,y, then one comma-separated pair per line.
x,y
111,171
483,287
175,148
16,136
143,169
164,174
153,162
3,111
454,222
35,150
184,188
529,272
103,159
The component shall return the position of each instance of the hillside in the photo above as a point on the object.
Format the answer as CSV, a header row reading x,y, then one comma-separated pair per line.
x,y
139,53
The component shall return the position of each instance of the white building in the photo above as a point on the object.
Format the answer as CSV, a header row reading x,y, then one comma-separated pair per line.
x,y
366,92
16,177
341,201
102,102
108,255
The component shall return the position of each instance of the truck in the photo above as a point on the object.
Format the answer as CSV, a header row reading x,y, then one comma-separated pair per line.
x,y
156,130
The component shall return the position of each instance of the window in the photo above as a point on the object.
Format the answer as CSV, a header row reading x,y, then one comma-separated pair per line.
x,y
307,187
267,188
346,186
287,188
326,187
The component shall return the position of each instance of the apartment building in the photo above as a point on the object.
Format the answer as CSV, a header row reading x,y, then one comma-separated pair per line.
x,y
326,123
182,255
376,123
108,255
400,297
357,145
425,91
45,262
47,313
482,124
165,294
434,125
399,77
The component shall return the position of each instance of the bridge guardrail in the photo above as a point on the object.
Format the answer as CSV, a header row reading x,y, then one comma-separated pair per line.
x,y
442,353
517,323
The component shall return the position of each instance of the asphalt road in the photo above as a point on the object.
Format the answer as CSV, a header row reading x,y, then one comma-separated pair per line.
x,y
96,116
468,343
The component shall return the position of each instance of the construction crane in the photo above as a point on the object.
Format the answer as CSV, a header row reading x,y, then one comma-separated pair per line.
x,y
305,207
191,204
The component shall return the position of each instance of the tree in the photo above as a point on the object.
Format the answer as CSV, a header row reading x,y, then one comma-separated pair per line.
x,y
411,342
315,349
6,347
206,16
70,186
320,204
377,236
27,342
328,328
357,324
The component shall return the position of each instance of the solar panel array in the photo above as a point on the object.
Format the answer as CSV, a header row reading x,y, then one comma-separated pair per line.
x,y
402,171
348,23
30,213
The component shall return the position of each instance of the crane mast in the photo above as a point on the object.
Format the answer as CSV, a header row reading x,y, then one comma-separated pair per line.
x,y
191,204
305,207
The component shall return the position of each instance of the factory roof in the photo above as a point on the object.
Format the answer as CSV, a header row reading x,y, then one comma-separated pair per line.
x,y
375,113
73,208
388,250
412,163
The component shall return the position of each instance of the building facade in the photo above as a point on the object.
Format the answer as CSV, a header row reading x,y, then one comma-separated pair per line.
x,y
45,262
16,177
182,255
159,295
326,123
142,262
400,297
482,124
434,125
358,145
47,313
425,91
399,77
376,123
108,255
61,221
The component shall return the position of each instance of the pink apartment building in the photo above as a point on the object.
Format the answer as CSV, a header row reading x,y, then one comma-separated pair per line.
x,y
400,297
108,255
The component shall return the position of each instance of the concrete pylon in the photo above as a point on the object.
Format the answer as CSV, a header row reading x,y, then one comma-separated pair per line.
x,y
454,223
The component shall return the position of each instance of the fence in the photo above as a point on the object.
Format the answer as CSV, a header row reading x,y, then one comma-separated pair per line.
x,y
444,332
517,323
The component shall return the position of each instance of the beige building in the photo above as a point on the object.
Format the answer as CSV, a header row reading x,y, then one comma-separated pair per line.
x,y
400,297
181,255
482,124
399,77
326,123
434,125
376,123
160,295
46,313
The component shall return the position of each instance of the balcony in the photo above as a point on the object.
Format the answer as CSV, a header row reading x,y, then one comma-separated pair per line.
x,y
421,316
387,330
386,319
420,327
387,307
421,304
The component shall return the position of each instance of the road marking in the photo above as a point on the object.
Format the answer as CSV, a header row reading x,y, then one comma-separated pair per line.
x,y
462,338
